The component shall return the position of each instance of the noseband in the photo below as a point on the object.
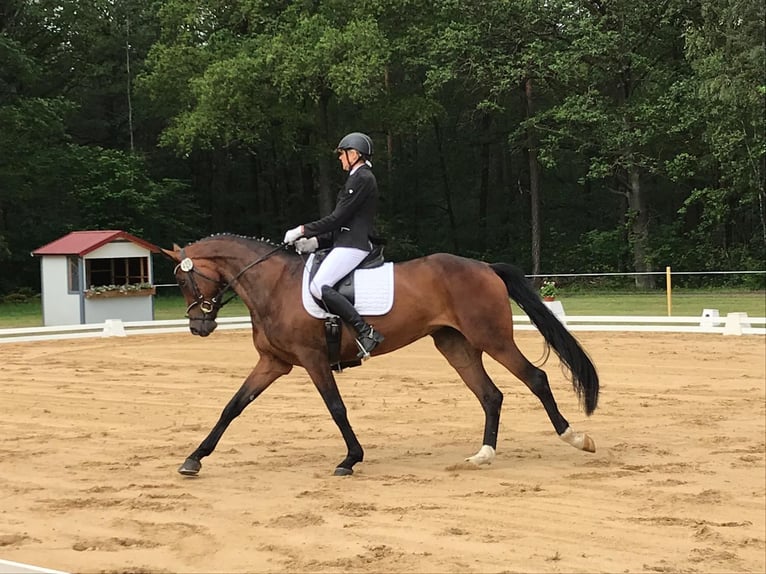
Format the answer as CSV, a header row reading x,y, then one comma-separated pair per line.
x,y
213,305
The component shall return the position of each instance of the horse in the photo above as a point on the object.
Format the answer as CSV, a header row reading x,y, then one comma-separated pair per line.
x,y
462,304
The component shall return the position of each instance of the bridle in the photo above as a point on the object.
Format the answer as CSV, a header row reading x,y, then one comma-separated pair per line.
x,y
212,305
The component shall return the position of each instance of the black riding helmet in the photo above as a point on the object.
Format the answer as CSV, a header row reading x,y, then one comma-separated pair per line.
x,y
357,141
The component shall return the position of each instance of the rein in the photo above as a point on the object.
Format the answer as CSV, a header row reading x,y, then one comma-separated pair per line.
x,y
214,304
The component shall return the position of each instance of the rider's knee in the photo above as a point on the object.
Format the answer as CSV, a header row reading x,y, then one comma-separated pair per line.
x,y
316,289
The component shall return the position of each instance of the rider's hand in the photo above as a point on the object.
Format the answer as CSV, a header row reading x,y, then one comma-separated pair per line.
x,y
309,245
293,234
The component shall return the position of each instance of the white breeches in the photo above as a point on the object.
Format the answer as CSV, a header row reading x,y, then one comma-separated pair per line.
x,y
338,263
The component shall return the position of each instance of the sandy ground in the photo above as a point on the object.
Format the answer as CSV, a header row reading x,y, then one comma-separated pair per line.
x,y
92,432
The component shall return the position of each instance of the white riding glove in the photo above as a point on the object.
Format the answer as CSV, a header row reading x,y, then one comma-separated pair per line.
x,y
305,245
293,234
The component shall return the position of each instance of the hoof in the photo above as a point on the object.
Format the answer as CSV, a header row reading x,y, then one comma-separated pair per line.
x,y
340,471
190,467
484,456
578,440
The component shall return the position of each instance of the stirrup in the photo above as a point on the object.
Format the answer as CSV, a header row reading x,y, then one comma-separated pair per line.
x,y
367,343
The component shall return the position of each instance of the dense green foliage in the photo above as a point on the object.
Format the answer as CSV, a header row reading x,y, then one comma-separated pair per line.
x,y
564,136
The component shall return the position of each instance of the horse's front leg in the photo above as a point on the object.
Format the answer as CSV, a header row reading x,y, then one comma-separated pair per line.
x,y
267,370
323,379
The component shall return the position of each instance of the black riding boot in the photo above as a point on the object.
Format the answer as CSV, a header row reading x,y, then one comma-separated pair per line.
x,y
367,338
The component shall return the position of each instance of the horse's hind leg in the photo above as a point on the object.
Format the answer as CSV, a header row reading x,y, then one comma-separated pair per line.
x,y
466,360
537,381
265,372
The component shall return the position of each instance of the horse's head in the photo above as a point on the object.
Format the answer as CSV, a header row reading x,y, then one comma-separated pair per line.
x,y
202,286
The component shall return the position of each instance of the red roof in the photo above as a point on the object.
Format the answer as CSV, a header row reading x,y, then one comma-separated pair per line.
x,y
83,242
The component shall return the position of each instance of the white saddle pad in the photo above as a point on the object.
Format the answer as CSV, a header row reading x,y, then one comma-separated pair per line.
x,y
373,291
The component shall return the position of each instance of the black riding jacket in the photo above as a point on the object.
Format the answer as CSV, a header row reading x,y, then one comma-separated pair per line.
x,y
352,222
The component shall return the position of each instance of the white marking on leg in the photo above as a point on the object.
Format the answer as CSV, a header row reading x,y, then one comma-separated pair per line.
x,y
576,439
484,456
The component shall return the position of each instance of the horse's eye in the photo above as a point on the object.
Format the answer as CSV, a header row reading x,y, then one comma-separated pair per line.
x,y
181,282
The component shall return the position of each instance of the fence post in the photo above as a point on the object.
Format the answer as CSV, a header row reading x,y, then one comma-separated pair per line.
x,y
669,287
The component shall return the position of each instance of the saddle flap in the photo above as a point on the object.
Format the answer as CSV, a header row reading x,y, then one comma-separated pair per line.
x,y
373,290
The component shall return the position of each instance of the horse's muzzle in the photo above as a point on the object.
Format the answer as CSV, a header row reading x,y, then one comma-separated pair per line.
x,y
202,327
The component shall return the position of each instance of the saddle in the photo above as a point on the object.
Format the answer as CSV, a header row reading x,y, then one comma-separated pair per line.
x,y
346,285
369,288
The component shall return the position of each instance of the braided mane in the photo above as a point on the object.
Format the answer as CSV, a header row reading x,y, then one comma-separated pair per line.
x,y
239,236
249,241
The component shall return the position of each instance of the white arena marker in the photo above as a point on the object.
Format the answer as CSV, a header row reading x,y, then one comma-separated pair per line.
x,y
735,322
557,309
710,318
8,567
113,328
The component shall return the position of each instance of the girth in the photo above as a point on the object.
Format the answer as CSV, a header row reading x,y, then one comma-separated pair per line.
x,y
332,324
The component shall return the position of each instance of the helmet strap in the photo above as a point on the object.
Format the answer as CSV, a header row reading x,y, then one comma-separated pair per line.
x,y
358,159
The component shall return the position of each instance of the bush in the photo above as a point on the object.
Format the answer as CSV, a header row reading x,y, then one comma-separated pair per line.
x,y
22,295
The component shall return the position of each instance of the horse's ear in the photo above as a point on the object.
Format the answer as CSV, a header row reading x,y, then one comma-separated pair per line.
x,y
176,247
173,255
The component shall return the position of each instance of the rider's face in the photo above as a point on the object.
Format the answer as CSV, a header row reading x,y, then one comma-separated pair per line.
x,y
348,158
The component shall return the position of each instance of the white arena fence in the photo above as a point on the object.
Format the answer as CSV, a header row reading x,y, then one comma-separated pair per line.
x,y
732,324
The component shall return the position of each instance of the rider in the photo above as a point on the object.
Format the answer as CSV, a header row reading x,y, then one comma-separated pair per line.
x,y
350,226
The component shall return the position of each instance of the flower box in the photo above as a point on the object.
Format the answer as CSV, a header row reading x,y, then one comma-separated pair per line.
x,y
112,293
549,290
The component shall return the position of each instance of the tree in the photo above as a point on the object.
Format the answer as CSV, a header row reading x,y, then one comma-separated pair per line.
x,y
725,47
617,64
63,88
605,136
253,77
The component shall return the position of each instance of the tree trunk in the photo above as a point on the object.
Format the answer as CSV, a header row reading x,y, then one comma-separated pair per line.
x,y
215,186
447,190
256,205
129,87
389,135
484,183
534,184
639,230
326,196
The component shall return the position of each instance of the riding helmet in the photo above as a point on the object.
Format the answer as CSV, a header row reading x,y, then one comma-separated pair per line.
x,y
358,141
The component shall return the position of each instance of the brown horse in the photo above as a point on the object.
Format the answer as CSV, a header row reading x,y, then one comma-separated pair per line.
x,y
461,303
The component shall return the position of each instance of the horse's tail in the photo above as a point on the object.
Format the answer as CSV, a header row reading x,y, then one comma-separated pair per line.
x,y
581,369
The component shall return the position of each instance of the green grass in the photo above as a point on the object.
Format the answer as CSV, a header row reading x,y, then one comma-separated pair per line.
x,y
685,303
29,314
15,315
173,307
